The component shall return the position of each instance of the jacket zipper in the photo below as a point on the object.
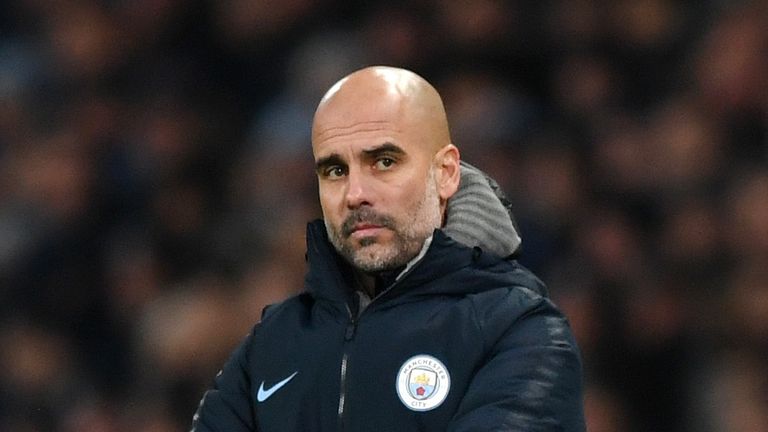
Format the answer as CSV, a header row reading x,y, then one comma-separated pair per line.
x,y
348,335
342,392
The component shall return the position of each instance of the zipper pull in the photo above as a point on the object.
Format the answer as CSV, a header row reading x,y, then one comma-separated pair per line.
x,y
350,333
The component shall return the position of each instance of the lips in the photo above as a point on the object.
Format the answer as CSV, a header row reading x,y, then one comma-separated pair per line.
x,y
365,229
365,226
365,222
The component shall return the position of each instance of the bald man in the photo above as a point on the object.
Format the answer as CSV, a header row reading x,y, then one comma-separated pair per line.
x,y
415,314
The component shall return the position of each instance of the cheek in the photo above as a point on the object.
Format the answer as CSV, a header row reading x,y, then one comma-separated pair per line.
x,y
329,203
408,196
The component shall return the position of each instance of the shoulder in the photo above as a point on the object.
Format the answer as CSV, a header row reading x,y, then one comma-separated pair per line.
x,y
291,309
521,310
506,305
512,287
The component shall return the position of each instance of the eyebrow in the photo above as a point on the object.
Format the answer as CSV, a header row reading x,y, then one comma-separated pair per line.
x,y
386,148
327,161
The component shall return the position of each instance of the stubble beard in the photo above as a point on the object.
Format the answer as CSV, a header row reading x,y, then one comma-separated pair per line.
x,y
372,256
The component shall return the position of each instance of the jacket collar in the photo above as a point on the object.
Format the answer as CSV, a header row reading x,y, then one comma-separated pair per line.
x,y
330,277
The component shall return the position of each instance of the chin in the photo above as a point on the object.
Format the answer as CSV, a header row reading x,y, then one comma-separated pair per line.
x,y
374,258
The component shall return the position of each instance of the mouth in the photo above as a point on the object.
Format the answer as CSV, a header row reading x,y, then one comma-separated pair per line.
x,y
365,223
365,230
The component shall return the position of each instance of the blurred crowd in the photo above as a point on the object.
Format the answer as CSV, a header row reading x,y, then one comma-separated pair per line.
x,y
156,178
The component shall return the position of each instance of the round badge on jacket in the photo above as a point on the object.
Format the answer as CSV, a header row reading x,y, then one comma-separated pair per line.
x,y
423,383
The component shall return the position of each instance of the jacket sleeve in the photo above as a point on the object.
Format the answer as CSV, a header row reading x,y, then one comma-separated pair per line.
x,y
227,405
532,378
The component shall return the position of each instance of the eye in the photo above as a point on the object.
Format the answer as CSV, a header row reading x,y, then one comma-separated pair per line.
x,y
384,163
334,172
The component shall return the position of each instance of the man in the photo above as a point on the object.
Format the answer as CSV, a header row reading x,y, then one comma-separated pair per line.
x,y
414,315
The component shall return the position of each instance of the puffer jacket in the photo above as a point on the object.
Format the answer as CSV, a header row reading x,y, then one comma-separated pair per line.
x,y
464,340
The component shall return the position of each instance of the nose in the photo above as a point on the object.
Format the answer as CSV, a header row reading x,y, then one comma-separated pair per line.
x,y
358,190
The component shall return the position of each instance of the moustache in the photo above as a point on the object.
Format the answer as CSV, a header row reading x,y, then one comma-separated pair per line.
x,y
367,216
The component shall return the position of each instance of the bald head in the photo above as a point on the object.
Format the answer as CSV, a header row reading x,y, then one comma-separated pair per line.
x,y
380,94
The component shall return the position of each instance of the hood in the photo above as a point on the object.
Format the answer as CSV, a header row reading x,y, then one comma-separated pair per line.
x,y
479,215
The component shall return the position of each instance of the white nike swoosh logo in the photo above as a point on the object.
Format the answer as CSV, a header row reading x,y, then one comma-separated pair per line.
x,y
263,394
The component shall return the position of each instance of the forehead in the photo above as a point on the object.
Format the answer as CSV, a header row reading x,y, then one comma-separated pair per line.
x,y
361,125
359,140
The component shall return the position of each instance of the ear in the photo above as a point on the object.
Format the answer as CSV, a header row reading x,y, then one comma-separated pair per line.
x,y
448,171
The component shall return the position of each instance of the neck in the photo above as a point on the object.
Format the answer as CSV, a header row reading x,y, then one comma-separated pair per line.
x,y
366,281
373,283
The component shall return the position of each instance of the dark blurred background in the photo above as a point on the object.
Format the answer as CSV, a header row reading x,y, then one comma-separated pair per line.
x,y
156,177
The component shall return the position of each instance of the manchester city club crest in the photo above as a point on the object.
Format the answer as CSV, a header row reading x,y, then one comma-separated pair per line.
x,y
423,383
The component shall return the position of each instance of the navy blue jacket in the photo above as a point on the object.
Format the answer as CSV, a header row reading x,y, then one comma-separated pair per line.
x,y
462,342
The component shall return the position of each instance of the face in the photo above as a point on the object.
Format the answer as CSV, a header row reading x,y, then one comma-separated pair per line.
x,y
385,166
379,196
